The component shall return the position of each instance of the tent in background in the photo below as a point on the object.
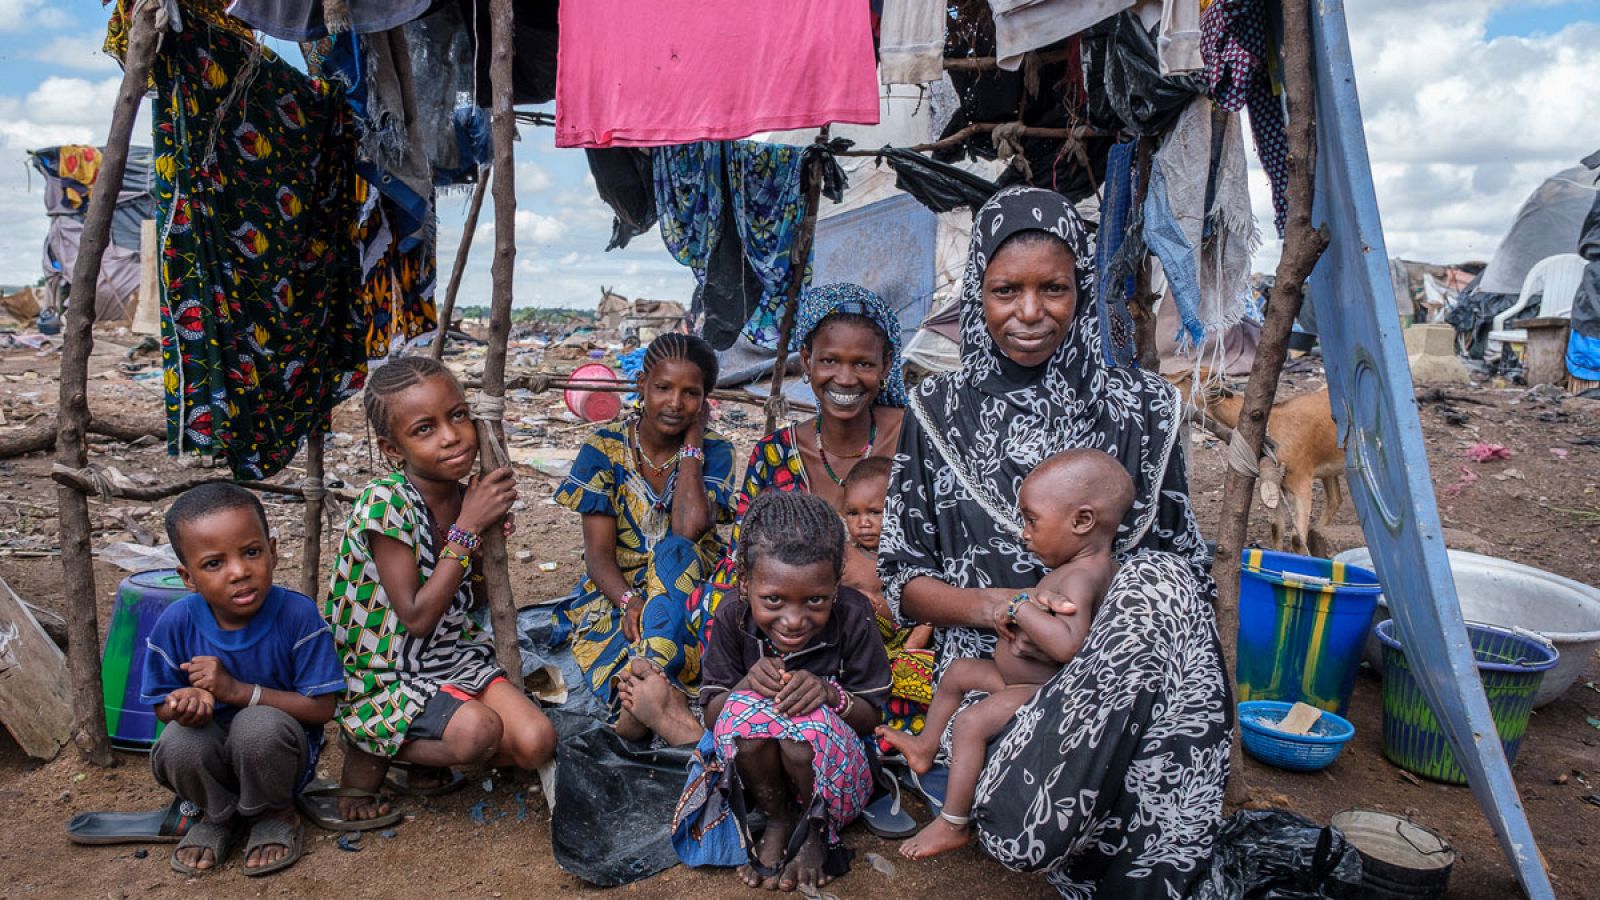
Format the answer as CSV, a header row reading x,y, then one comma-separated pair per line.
x,y
69,172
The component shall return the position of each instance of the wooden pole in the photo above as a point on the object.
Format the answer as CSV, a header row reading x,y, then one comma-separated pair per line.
x,y
491,428
799,258
316,491
77,561
462,252
1302,247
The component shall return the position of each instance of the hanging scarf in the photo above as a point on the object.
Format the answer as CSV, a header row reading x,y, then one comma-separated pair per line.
x,y
817,304
951,512
1235,43
1114,291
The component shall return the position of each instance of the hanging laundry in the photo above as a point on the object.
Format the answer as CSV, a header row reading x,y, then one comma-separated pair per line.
x,y
1121,58
911,42
731,211
1113,290
1583,345
624,180
1021,26
302,20
1179,44
1197,219
398,275
679,71
256,208
1234,43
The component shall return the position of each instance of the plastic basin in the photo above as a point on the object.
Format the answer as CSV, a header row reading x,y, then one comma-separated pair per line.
x,y
1500,592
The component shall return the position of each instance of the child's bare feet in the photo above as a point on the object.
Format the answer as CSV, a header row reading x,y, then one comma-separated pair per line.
x,y
919,749
805,872
658,706
938,836
769,850
364,772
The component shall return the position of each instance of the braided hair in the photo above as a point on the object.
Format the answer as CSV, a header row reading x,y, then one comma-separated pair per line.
x,y
793,527
687,347
393,377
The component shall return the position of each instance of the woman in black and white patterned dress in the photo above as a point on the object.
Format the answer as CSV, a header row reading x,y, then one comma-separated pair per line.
x,y
1111,779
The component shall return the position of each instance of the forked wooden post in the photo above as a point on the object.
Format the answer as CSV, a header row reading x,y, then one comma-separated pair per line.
x,y
801,250
1302,247
462,252
77,562
491,429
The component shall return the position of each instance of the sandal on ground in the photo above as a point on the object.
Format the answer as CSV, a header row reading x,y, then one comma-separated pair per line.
x,y
886,818
274,833
401,776
157,826
931,786
219,839
320,803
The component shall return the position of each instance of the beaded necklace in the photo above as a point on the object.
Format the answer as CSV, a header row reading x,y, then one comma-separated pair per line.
x,y
872,436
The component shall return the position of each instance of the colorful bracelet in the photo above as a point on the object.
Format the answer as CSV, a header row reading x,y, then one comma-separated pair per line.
x,y
1014,605
464,538
628,598
466,562
690,451
842,695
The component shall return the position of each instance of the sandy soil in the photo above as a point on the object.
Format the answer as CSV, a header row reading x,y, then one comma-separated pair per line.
x,y
1514,509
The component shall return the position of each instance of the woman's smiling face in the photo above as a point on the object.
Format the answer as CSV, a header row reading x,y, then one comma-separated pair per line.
x,y
1030,293
848,362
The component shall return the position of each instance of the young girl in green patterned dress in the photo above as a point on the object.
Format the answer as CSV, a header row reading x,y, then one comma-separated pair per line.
x,y
421,682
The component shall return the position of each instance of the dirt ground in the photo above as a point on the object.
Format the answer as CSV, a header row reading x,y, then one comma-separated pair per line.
x,y
1539,507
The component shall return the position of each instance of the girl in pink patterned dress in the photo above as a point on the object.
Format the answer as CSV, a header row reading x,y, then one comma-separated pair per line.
x,y
792,682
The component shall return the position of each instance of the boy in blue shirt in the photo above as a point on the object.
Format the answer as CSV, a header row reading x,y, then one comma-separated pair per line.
x,y
244,675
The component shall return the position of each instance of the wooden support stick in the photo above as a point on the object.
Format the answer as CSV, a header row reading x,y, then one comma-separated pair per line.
x,y
460,266
77,562
799,259
1302,247
315,492
491,431
1077,132
79,480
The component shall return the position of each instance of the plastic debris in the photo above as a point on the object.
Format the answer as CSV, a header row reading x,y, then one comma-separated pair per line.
x,y
1487,452
548,566
141,853
388,834
350,841
522,806
1558,452
881,864
488,785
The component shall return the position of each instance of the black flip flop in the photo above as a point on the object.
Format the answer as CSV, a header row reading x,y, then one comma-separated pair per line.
x,y
219,839
157,826
319,802
275,833
400,775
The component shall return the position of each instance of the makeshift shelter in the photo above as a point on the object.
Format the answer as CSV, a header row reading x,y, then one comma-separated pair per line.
x,y
69,174
743,215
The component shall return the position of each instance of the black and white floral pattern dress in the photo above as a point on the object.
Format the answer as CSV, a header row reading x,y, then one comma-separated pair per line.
x,y
1111,778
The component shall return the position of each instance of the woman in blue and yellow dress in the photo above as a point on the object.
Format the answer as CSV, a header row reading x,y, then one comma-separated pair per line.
x,y
652,491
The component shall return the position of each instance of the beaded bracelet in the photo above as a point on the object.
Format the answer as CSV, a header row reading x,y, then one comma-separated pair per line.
x,y
628,598
466,562
1014,605
842,695
464,538
689,451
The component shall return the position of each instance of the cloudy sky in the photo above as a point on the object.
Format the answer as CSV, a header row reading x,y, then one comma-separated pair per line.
x,y
1468,104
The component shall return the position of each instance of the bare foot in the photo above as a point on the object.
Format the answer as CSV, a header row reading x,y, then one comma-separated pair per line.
x,y
198,857
937,837
662,708
769,850
919,749
271,853
805,872
362,771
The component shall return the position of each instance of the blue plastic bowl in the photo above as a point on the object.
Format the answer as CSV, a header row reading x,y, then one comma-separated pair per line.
x,y
1295,752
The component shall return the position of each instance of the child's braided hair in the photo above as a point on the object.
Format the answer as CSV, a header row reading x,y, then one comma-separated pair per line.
x,y
793,527
392,378
687,347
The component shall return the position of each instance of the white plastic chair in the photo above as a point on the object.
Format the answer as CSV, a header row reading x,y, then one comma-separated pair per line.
x,y
1557,278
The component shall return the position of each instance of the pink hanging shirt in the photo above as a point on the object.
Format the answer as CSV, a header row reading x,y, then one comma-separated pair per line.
x,y
643,73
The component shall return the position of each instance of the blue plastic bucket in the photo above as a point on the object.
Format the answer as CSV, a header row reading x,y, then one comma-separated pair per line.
x,y
1302,624
141,599
1511,664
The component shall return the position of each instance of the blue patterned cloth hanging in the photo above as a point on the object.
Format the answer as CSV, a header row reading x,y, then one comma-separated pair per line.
x,y
1113,293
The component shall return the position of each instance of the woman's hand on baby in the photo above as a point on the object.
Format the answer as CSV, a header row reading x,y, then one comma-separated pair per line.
x,y
191,706
489,498
1055,603
767,677
802,694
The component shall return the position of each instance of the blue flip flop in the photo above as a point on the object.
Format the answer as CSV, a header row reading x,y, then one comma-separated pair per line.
x,y
886,818
931,786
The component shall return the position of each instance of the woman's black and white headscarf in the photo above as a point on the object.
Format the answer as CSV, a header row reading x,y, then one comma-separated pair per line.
x,y
951,512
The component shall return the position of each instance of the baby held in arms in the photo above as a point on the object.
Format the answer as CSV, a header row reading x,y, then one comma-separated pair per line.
x,y
1071,506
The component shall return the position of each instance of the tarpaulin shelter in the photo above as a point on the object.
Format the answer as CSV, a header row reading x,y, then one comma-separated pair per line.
x,y
69,174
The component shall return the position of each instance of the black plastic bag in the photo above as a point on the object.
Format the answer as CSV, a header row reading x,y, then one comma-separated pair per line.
x,y
612,822
1276,855
1120,57
937,186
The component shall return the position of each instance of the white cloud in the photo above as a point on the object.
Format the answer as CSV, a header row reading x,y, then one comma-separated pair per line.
x,y
537,228
79,52
532,178
15,14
